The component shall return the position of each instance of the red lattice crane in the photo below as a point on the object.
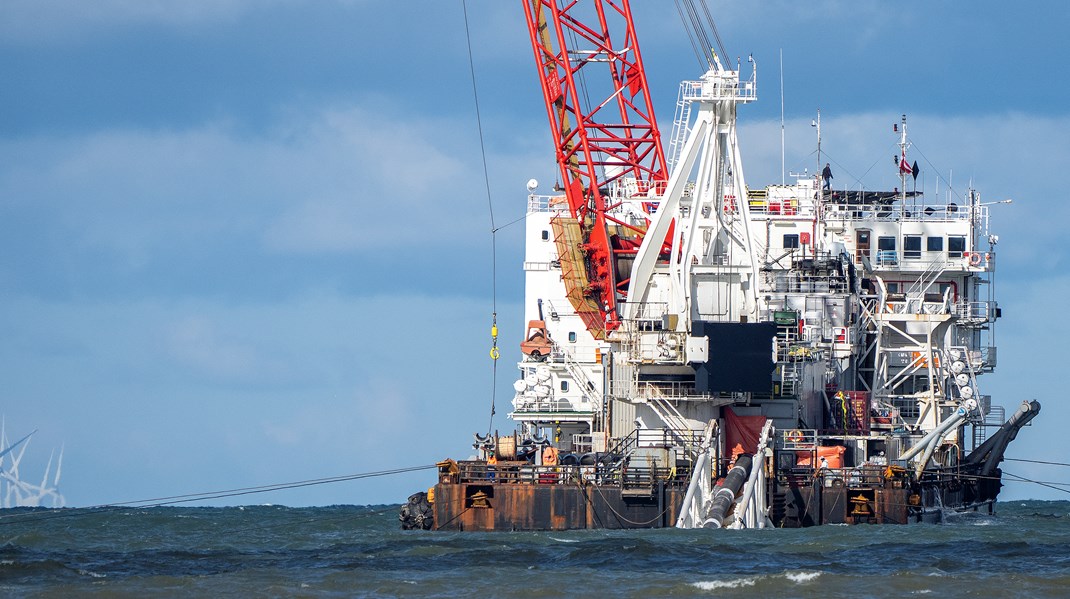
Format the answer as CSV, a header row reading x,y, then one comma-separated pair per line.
x,y
602,120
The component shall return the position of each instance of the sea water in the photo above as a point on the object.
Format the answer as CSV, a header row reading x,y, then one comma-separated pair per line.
x,y
343,551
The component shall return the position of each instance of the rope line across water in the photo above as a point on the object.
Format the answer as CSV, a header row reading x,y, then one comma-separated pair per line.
x,y
20,518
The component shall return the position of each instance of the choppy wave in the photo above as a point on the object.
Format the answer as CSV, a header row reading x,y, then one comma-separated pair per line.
x,y
801,576
750,581
713,585
353,550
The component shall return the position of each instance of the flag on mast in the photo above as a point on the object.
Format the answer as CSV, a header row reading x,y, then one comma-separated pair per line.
x,y
904,166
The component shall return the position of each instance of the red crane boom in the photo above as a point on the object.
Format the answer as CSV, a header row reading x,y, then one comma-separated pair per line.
x,y
602,121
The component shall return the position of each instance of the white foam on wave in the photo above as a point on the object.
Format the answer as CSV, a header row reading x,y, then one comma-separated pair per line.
x,y
92,574
801,577
565,540
713,585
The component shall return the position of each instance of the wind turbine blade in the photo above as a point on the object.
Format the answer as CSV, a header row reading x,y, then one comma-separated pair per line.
x,y
17,459
59,468
22,492
48,470
16,444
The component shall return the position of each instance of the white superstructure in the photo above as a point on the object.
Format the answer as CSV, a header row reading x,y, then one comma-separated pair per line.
x,y
862,312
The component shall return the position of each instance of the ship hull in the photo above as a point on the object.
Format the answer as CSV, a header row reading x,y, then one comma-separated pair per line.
x,y
565,504
513,507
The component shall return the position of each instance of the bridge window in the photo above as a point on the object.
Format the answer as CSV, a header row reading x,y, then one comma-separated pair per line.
x,y
886,251
956,246
564,385
934,244
912,247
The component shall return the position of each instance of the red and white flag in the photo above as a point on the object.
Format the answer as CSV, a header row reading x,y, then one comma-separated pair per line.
x,y
904,166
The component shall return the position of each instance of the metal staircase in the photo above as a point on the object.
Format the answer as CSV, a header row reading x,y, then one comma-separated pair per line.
x,y
680,128
672,418
587,388
932,272
994,418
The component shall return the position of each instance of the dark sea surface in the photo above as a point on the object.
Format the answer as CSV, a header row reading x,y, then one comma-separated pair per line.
x,y
343,551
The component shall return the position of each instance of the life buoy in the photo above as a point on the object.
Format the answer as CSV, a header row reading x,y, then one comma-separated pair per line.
x,y
975,259
549,456
794,436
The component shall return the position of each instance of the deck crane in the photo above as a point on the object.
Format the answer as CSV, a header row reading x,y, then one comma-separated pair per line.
x,y
608,146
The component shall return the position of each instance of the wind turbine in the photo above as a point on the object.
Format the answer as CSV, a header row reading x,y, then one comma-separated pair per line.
x,y
19,493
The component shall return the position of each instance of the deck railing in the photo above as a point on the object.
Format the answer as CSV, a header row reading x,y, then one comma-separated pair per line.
x,y
609,473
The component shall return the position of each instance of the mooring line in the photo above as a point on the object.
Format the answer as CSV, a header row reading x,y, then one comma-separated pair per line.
x,y
191,497
1050,485
1036,462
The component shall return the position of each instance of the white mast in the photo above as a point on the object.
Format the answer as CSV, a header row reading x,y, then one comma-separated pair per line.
x,y
783,167
712,268
902,161
817,124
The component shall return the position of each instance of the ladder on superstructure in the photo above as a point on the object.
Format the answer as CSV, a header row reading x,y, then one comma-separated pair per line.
x,y
680,128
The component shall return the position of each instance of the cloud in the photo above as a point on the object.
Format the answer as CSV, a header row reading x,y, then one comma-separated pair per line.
x,y
1009,155
195,342
49,21
341,180
1028,339
179,395
396,187
159,346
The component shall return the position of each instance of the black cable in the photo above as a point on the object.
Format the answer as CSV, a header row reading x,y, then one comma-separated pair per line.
x,y
493,229
450,521
512,222
1036,462
1050,485
700,33
939,177
713,27
700,36
190,497
691,37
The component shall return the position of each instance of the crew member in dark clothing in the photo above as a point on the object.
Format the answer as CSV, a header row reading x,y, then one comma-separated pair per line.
x,y
826,174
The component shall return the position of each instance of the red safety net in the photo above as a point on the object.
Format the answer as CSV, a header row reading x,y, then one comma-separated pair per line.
x,y
743,431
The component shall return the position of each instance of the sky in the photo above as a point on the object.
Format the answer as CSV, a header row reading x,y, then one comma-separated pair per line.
x,y
247,242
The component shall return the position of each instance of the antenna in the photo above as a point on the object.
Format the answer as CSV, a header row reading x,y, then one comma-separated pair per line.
x,y
902,165
782,167
817,124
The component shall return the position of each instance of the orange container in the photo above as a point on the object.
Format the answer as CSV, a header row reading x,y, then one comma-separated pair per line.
x,y
833,455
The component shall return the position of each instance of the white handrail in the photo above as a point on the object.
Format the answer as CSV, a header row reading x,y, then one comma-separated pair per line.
x,y
751,510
